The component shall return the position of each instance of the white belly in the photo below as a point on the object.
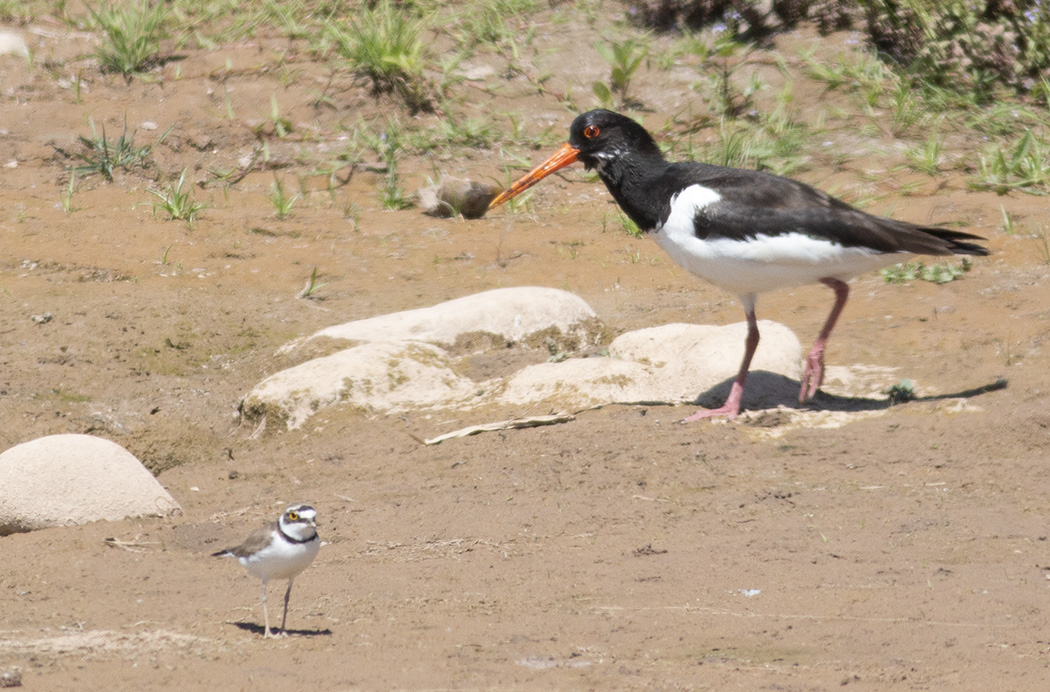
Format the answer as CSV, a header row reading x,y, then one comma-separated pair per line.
x,y
761,263
281,560
766,263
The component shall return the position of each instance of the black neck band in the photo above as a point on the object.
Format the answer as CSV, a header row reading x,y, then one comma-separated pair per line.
x,y
293,539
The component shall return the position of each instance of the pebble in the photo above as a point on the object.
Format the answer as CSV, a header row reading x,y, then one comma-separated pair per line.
x,y
11,678
12,44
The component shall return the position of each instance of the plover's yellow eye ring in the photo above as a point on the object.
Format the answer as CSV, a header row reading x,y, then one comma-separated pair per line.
x,y
294,516
591,131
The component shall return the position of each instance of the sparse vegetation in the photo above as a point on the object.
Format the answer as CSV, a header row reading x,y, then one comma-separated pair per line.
x,y
387,146
970,49
1042,245
280,125
312,286
454,132
67,194
939,273
928,156
282,202
901,393
132,34
1025,166
625,223
104,157
624,58
15,11
383,43
177,201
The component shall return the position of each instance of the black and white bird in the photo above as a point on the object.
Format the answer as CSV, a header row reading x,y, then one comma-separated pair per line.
x,y
281,549
745,231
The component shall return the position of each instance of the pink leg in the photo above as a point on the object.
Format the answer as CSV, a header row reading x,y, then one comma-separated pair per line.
x,y
813,374
732,405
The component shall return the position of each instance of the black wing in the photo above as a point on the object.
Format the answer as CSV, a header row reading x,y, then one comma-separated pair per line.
x,y
753,200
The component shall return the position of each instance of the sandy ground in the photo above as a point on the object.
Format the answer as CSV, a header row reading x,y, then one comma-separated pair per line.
x,y
905,549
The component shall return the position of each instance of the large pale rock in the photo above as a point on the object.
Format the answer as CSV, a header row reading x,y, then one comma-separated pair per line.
x,y
393,368
511,313
671,364
386,376
73,479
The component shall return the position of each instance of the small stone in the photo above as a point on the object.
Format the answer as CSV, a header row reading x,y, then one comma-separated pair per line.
x,y
12,44
478,72
11,678
201,142
454,196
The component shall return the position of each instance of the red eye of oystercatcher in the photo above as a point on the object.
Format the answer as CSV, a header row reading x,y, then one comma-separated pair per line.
x,y
745,231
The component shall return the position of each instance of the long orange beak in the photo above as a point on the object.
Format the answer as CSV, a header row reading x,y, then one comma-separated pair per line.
x,y
561,158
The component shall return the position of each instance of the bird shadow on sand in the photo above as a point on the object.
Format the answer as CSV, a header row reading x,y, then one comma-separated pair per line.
x,y
769,390
260,630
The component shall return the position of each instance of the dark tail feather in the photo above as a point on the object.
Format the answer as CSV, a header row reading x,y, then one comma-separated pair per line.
x,y
225,552
961,247
957,241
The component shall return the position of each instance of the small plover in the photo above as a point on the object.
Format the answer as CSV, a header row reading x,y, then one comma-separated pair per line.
x,y
280,550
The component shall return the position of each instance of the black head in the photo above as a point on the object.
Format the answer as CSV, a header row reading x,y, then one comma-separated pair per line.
x,y
614,144
602,136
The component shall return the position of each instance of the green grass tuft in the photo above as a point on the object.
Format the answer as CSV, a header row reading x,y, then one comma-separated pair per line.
x,y
902,392
624,58
1024,167
934,273
177,202
104,157
383,43
132,35
282,203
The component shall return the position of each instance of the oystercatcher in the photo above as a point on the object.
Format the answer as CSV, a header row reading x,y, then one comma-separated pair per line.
x,y
745,231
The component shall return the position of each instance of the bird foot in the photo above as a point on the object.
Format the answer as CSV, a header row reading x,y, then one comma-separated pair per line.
x,y
812,375
729,409
278,634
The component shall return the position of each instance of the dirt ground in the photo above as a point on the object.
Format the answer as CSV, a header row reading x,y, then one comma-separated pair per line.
x,y
904,550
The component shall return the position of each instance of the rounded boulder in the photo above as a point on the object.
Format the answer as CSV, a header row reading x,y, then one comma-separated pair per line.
x,y
61,480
